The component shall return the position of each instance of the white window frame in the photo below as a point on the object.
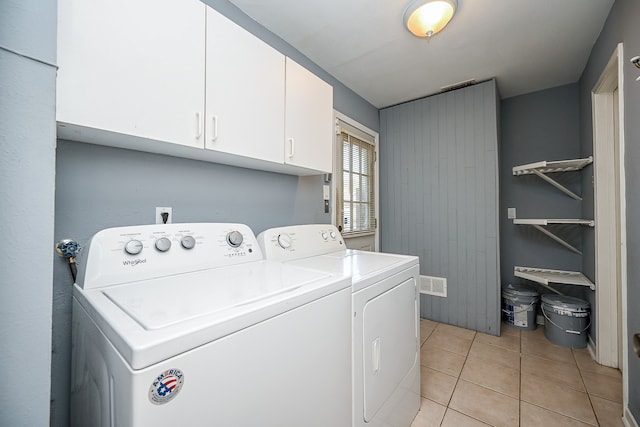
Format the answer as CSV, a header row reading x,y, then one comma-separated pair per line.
x,y
337,169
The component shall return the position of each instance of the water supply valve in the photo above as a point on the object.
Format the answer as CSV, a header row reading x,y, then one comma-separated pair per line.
x,y
67,248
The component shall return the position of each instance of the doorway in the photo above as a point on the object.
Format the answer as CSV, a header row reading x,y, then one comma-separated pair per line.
x,y
610,216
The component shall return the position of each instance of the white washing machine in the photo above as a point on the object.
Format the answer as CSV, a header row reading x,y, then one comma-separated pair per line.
x,y
187,324
386,348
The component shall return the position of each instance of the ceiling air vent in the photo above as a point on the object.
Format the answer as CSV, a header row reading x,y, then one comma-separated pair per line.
x,y
458,85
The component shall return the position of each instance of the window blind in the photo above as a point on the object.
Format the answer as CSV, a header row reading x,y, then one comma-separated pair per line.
x,y
357,211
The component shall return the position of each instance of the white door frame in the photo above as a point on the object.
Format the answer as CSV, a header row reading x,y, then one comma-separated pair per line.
x,y
605,230
336,170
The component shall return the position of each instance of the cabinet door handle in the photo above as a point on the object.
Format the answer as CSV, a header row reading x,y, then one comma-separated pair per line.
x,y
214,122
375,356
198,125
292,147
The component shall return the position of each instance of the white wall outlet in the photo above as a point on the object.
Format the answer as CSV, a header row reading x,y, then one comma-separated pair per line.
x,y
160,217
511,213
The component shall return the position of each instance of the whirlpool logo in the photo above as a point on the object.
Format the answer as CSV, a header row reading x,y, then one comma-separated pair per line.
x,y
133,262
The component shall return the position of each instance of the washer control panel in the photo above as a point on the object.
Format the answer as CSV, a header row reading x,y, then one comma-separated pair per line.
x,y
125,254
300,241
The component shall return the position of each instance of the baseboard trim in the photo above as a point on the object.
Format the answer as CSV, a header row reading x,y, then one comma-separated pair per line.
x,y
628,420
591,346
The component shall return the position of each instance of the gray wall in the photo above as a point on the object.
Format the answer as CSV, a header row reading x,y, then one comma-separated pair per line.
x,y
94,191
621,26
439,199
27,161
539,126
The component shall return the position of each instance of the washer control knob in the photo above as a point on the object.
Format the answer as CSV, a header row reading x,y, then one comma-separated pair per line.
x,y
163,244
325,236
284,241
188,242
333,234
234,239
133,247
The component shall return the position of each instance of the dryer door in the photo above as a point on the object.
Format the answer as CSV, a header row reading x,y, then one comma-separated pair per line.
x,y
390,343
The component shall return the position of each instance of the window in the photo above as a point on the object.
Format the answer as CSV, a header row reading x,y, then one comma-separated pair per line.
x,y
356,191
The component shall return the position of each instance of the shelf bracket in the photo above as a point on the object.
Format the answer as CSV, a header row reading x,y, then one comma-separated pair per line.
x,y
556,184
550,288
557,239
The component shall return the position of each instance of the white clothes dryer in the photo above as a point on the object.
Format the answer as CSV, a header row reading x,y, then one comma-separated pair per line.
x,y
187,324
385,321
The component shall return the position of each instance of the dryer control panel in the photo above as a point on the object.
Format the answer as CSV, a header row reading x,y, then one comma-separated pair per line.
x,y
300,241
126,254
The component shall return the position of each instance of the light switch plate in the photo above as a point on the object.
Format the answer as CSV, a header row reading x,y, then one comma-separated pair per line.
x,y
511,213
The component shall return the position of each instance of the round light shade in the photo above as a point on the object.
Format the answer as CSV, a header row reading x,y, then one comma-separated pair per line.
x,y
425,18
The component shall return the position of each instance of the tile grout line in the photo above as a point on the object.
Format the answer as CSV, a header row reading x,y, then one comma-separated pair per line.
x,y
447,407
542,407
459,374
475,336
574,362
521,382
458,380
595,414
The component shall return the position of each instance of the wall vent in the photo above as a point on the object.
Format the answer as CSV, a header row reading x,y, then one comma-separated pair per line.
x,y
436,286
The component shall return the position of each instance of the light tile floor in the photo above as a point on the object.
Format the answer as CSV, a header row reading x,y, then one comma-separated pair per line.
x,y
519,378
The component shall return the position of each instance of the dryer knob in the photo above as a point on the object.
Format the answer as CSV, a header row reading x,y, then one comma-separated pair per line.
x,y
284,241
333,235
163,244
325,236
133,247
234,239
188,242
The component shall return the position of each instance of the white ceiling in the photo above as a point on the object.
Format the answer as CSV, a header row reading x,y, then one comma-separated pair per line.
x,y
527,45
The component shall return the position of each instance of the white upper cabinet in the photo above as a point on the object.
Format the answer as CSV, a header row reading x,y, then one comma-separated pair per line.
x,y
178,78
132,67
245,92
308,119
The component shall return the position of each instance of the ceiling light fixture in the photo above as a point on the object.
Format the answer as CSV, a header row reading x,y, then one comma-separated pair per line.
x,y
424,18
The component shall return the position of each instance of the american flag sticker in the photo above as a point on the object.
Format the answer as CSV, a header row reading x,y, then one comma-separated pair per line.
x,y
166,386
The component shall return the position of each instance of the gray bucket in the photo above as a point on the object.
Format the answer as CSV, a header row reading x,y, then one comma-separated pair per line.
x,y
566,320
519,306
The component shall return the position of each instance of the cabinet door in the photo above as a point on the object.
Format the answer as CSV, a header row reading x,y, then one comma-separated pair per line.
x,y
308,119
132,67
244,94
